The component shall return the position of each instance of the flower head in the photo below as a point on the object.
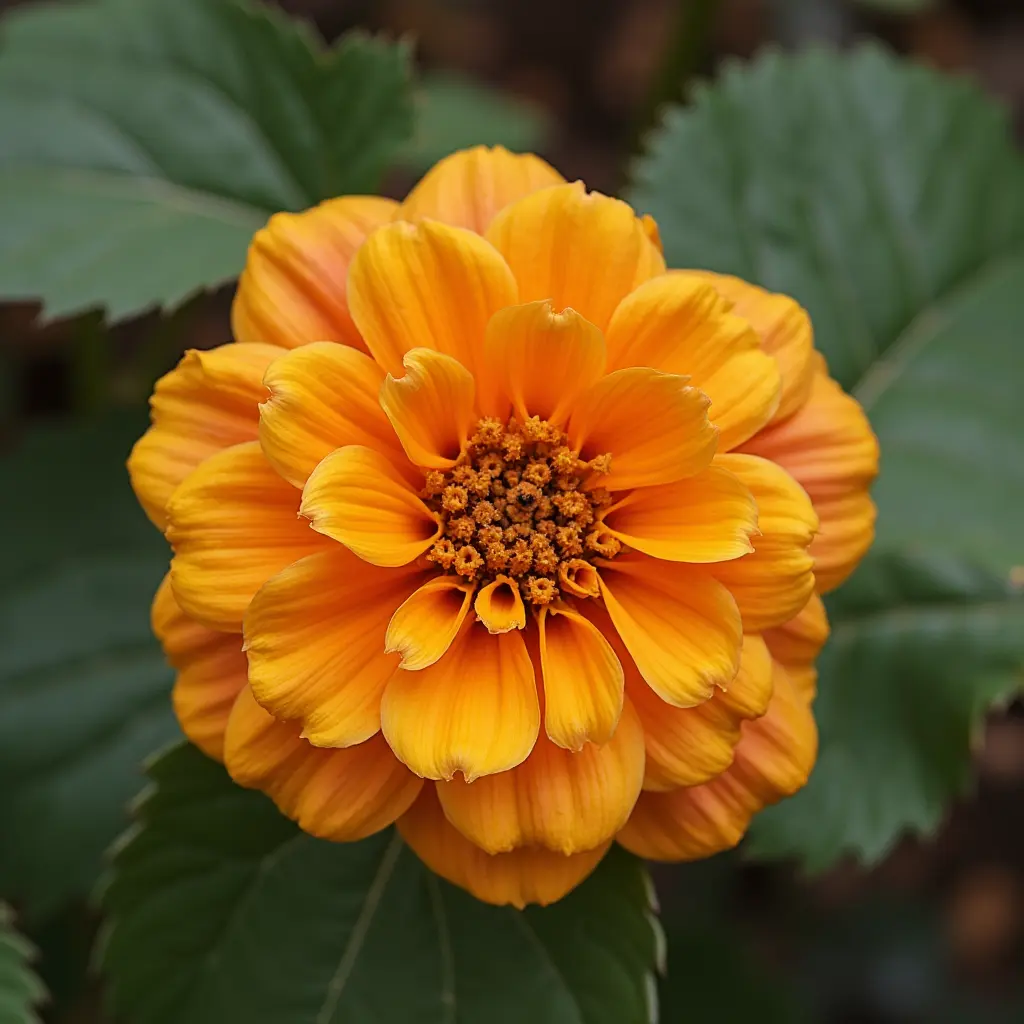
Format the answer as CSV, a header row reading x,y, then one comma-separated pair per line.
x,y
490,525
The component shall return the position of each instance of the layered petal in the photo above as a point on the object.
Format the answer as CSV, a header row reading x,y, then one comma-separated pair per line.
x,y
427,622
524,876
427,286
211,671
468,188
341,795
314,634
797,643
233,524
680,626
293,288
653,425
773,582
678,323
358,497
208,402
563,800
499,605
576,248
475,711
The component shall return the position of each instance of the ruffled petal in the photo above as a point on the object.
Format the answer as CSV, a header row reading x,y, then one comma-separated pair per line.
x,y
575,248
565,801
431,407
797,643
538,361
292,290
208,402
654,426
322,396
427,286
774,582
233,524
314,634
709,517
524,876
341,795
678,323
423,628
475,711
681,627
468,188
499,606
357,497
211,671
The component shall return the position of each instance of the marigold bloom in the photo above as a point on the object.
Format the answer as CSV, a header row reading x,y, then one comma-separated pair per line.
x,y
489,525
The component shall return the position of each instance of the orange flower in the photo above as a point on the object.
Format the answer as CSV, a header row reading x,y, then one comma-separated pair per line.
x,y
520,530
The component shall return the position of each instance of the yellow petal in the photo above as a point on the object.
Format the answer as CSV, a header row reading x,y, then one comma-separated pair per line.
x,y
233,524
341,795
315,638
681,627
575,248
431,407
208,402
475,711
583,681
524,876
797,643
565,801
469,187
427,622
678,323
292,290
538,361
773,582
499,606
322,396
654,426
427,286
211,671
708,517
357,497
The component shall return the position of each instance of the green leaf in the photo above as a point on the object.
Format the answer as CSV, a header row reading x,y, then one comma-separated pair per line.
x,y
145,142
223,910
20,990
84,689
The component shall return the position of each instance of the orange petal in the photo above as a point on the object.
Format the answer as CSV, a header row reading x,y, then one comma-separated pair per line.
x,y
829,448
427,622
708,517
427,286
431,407
681,627
565,801
575,248
773,582
233,524
292,290
211,671
653,425
583,681
208,402
524,876
538,361
797,643
322,396
341,795
678,323
773,760
357,497
499,606
469,187
474,711
315,639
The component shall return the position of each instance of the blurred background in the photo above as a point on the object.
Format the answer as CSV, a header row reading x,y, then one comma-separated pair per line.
x,y
936,932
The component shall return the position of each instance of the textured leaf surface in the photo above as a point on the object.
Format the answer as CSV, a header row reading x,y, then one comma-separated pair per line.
x,y
223,910
20,990
145,142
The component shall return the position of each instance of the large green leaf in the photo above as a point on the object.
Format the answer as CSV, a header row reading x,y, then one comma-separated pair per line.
x,y
223,910
83,685
20,990
146,141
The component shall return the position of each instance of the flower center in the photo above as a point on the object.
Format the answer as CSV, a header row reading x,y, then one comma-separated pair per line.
x,y
521,505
